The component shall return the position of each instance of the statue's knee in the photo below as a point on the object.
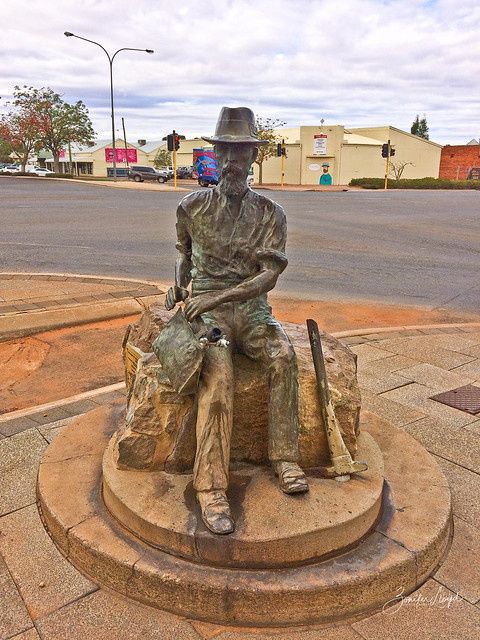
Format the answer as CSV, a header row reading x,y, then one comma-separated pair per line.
x,y
282,355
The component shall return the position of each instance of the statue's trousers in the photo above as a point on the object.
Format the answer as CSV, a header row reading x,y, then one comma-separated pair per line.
x,y
251,330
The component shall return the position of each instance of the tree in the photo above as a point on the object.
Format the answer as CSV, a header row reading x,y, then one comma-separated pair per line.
x,y
59,123
420,127
20,133
397,168
163,158
266,131
6,150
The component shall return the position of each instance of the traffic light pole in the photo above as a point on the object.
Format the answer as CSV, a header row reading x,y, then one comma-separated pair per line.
x,y
175,168
387,166
173,143
281,154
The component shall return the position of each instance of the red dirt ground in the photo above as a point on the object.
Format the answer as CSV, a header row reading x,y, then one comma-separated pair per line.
x,y
60,363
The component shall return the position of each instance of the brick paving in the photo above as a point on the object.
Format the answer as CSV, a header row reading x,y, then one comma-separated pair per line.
x,y
41,596
22,293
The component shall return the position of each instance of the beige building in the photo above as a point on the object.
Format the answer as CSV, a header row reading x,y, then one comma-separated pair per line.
x,y
349,153
85,160
92,160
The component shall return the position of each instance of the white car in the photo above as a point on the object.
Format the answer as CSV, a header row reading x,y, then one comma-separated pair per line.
x,y
40,171
11,168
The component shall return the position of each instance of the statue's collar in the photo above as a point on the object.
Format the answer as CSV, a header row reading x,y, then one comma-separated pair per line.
x,y
240,197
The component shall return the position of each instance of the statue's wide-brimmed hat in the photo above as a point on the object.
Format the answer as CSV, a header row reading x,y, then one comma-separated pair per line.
x,y
236,125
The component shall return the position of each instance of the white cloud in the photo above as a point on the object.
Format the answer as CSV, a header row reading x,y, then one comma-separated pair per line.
x,y
349,61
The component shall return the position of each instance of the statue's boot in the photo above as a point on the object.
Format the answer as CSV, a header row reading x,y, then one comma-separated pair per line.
x,y
291,477
216,511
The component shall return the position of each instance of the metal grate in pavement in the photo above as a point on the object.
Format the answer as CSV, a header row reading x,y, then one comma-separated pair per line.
x,y
465,398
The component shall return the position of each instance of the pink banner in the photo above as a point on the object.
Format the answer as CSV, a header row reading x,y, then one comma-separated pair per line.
x,y
121,155
61,154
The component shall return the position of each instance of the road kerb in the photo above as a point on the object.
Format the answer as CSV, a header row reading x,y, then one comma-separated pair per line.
x,y
26,324
48,406
414,327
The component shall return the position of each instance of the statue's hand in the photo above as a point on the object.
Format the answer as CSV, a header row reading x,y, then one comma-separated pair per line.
x,y
175,294
201,304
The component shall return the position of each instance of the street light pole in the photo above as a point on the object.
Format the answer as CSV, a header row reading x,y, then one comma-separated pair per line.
x,y
69,34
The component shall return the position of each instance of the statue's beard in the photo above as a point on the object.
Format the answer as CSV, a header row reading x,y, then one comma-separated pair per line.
x,y
233,181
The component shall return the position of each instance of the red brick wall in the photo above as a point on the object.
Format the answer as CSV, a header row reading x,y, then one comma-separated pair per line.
x,y
457,160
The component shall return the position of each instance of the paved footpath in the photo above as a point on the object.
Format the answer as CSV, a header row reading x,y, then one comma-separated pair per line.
x,y
38,302
42,596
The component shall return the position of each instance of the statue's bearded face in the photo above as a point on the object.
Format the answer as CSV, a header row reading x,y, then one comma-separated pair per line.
x,y
234,162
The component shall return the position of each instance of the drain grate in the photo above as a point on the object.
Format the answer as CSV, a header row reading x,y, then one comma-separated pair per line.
x,y
464,398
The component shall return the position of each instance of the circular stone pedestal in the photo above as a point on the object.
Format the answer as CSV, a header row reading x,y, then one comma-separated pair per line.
x,y
395,550
271,528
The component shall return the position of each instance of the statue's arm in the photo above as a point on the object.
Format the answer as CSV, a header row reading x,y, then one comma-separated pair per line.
x,y
272,263
183,263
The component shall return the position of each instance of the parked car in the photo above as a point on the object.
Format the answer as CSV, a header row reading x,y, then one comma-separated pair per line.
x,y
167,170
139,174
208,181
11,168
184,172
40,171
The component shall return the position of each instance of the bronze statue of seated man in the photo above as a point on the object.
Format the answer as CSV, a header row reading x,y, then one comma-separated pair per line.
x,y
231,244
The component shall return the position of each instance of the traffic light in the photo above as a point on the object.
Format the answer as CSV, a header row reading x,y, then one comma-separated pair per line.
x,y
170,142
392,151
176,139
385,150
279,150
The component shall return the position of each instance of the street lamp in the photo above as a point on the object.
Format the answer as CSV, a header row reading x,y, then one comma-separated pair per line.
x,y
69,34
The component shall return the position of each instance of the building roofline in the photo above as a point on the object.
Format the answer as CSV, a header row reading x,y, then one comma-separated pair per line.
x,y
436,144
391,127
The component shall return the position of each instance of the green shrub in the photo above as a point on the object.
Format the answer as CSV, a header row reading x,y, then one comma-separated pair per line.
x,y
17,173
59,175
367,183
96,178
417,183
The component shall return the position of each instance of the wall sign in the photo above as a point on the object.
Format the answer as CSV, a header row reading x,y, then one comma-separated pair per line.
x,y
320,144
121,155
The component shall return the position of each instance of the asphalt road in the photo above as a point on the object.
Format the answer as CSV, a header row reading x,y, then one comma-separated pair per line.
x,y
407,247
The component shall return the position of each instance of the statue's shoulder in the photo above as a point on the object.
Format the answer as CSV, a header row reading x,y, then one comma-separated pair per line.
x,y
195,201
259,200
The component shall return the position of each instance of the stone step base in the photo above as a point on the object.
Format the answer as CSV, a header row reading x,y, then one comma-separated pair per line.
x,y
405,547
271,529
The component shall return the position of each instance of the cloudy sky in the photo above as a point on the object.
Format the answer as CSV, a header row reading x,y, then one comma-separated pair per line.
x,y
351,62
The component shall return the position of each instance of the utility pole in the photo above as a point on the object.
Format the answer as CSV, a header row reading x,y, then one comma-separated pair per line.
x,y
70,157
125,141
